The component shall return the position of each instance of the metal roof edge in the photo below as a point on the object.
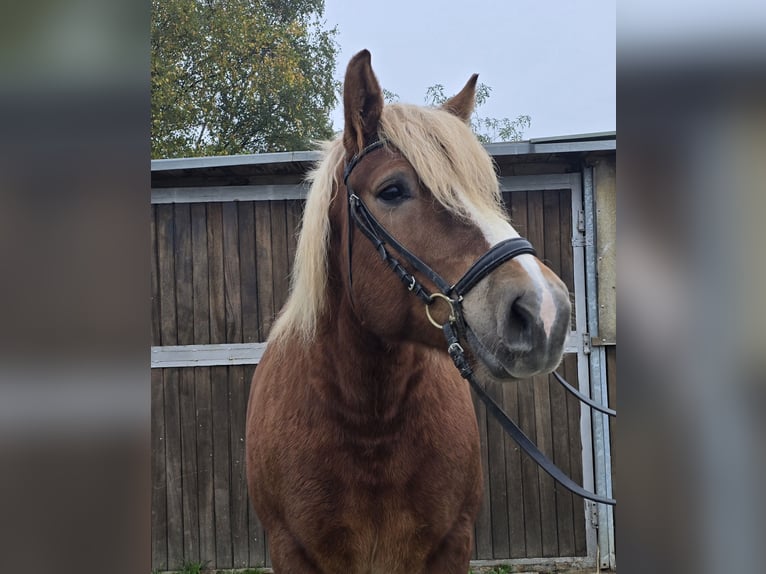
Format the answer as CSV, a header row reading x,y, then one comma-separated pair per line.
x,y
589,136
607,141
531,147
232,160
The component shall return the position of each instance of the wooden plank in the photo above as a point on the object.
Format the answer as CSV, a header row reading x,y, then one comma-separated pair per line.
x,y
544,441
294,214
536,182
200,276
559,415
205,479
190,490
279,253
529,470
248,277
569,371
483,540
565,512
536,222
264,263
183,275
542,411
173,468
202,389
256,540
155,280
517,209
551,231
227,193
221,466
166,270
515,494
498,487
188,417
256,534
207,355
169,336
159,528
215,282
231,276
566,271
239,500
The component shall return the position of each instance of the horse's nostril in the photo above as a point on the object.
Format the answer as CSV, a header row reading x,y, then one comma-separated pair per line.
x,y
519,315
520,324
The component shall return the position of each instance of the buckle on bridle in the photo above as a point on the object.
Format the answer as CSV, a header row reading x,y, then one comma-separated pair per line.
x,y
452,317
411,286
455,348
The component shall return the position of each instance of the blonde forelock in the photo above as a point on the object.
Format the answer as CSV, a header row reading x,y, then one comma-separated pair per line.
x,y
447,156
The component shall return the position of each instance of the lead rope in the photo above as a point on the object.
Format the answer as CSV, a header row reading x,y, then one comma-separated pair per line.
x,y
457,354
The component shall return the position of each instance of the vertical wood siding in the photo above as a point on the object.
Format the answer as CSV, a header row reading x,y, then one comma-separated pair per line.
x,y
220,273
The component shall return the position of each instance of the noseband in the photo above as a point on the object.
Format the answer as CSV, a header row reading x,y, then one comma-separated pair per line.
x,y
453,295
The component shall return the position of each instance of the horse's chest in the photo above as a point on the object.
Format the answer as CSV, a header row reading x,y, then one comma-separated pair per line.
x,y
389,535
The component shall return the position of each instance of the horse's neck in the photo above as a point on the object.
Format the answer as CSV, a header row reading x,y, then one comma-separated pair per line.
x,y
370,377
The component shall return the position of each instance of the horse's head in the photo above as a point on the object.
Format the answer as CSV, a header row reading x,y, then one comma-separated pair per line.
x,y
433,188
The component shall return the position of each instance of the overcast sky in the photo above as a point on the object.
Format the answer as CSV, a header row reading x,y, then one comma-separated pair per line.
x,y
552,60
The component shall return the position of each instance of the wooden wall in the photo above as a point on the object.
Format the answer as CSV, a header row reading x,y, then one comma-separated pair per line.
x,y
219,274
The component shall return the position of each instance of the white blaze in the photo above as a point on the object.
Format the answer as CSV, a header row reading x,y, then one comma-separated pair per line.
x,y
495,230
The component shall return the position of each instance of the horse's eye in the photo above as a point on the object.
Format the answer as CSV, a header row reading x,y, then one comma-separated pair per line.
x,y
392,194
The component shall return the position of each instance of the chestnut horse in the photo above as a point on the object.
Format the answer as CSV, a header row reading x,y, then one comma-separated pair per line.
x,y
362,442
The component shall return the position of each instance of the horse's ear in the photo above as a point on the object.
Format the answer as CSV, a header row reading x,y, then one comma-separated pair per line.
x,y
462,104
362,103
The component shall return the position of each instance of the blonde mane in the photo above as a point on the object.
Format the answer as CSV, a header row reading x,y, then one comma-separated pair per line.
x,y
450,162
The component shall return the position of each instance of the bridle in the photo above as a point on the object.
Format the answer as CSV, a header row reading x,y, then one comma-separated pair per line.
x,y
452,295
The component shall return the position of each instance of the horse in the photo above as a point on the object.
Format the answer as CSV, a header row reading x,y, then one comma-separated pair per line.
x,y
362,444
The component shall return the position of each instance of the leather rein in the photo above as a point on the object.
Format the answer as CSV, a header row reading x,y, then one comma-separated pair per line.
x,y
452,295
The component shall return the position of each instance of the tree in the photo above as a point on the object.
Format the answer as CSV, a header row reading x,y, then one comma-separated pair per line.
x,y
488,130
240,76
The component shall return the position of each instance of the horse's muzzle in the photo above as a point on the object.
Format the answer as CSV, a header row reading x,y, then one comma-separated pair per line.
x,y
522,331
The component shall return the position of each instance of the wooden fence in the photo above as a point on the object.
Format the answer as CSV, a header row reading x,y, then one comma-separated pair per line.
x,y
219,275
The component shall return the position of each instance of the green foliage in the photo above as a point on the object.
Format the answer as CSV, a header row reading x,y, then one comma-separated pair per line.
x,y
390,97
193,567
240,76
486,129
496,570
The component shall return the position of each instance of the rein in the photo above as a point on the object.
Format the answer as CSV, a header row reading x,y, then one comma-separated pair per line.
x,y
455,324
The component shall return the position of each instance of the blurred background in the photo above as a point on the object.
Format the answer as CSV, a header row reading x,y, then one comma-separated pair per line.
x,y
691,95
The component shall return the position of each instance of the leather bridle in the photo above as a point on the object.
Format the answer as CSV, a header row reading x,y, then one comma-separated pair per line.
x,y
380,237
453,295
